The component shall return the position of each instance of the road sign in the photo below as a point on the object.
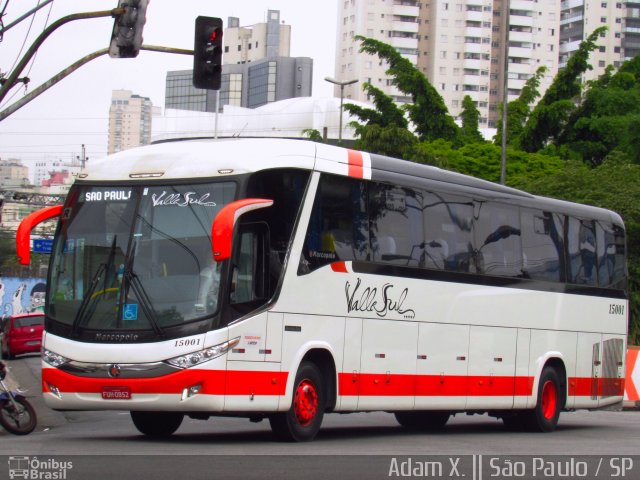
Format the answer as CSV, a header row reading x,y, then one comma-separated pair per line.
x,y
42,245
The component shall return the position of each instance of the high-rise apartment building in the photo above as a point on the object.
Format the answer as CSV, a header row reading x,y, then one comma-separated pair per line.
x,y
395,22
129,121
578,20
461,45
257,70
631,30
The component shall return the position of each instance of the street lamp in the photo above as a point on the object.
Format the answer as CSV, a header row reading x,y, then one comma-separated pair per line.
x,y
342,85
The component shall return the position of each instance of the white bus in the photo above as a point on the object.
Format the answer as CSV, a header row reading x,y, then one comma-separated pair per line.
x,y
284,279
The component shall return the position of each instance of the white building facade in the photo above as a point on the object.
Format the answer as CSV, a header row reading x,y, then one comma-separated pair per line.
x,y
461,45
579,18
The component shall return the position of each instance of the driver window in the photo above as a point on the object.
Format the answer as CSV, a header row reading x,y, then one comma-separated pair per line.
x,y
249,280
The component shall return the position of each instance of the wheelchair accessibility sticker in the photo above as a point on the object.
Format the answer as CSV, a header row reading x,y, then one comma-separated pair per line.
x,y
130,311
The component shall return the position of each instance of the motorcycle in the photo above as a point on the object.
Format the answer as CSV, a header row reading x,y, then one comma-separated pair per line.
x,y
17,415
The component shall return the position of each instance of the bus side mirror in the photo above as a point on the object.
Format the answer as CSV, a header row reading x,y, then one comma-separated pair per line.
x,y
222,228
23,235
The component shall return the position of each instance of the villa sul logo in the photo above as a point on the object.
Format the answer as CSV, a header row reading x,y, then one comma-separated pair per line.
x,y
381,302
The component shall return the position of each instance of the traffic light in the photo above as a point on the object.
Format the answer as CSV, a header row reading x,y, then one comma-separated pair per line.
x,y
207,53
126,38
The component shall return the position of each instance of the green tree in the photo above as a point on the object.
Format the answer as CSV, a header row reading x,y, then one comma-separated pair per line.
x,y
483,161
550,115
313,135
427,112
392,141
608,118
385,114
470,120
519,110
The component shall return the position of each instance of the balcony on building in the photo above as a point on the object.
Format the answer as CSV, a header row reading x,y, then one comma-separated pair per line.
x,y
571,17
406,8
571,4
522,18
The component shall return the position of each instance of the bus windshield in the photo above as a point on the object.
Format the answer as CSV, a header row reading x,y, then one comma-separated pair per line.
x,y
136,258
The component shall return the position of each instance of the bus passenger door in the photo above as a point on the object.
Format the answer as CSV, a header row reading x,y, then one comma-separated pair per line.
x,y
442,361
389,349
349,376
492,367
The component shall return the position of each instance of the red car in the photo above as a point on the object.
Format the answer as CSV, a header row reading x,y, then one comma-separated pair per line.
x,y
21,334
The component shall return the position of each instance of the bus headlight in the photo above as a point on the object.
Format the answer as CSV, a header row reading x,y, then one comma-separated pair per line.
x,y
52,358
192,359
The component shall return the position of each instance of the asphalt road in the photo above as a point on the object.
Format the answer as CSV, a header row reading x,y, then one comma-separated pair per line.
x,y
371,445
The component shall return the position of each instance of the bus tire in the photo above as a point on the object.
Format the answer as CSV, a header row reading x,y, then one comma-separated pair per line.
x,y
157,424
302,421
423,420
544,417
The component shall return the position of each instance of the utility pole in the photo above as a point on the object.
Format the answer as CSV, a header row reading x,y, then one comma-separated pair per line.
x,y
505,98
83,157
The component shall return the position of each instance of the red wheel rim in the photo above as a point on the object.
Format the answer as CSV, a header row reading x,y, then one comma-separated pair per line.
x,y
305,402
549,399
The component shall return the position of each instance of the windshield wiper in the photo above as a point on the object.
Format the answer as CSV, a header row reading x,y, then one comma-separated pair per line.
x,y
132,280
102,268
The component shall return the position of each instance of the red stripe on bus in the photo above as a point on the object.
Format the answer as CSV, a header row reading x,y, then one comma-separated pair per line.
x,y
233,382
214,382
595,387
339,267
350,384
356,164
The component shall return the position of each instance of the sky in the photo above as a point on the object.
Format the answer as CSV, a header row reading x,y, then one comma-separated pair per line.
x,y
75,111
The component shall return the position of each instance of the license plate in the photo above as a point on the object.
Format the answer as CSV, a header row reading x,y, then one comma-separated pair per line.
x,y
116,393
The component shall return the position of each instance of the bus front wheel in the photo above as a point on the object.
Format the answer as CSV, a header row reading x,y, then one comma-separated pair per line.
x,y
302,421
157,424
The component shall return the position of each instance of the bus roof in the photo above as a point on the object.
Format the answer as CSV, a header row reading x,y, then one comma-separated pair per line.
x,y
209,158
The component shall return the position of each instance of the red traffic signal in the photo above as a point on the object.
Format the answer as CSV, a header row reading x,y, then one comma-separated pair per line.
x,y
207,53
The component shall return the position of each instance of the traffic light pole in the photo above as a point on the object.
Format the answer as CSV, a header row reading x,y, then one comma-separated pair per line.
x,y
12,79
72,68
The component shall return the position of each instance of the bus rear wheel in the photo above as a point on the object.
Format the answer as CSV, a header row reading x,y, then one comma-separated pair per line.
x,y
302,421
544,417
157,424
427,420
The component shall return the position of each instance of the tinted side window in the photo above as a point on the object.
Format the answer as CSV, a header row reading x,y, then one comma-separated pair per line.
x,y
448,224
611,256
581,247
396,225
339,225
497,240
542,246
